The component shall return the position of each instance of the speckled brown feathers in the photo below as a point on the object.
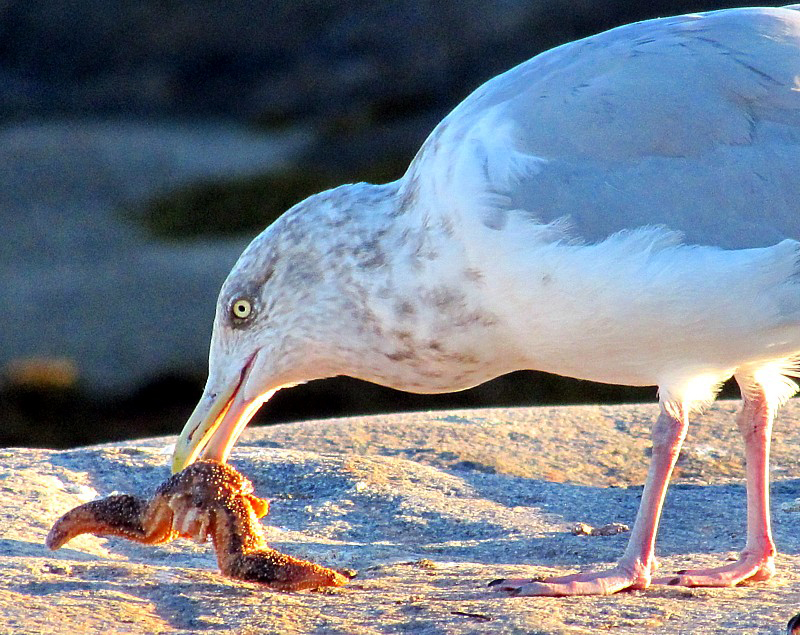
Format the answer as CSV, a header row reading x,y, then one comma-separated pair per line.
x,y
207,500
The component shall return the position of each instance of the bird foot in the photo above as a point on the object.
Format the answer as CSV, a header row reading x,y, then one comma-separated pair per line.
x,y
620,578
750,567
207,500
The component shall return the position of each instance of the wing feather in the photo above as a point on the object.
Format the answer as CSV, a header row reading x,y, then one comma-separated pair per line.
x,y
691,122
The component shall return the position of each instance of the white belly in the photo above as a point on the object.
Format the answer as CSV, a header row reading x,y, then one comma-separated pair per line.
x,y
629,311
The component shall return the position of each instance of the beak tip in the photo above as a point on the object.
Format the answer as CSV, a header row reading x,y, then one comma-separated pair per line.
x,y
177,466
179,462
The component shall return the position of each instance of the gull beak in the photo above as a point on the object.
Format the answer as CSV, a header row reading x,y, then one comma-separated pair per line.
x,y
219,418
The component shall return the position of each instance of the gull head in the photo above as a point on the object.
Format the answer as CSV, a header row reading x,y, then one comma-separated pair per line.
x,y
288,312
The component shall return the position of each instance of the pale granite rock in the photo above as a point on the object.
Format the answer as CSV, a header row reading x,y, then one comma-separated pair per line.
x,y
428,507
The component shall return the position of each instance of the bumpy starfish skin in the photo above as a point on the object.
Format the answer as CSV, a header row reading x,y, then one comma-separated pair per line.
x,y
206,500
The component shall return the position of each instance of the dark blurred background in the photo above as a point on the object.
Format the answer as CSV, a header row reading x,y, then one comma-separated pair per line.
x,y
142,144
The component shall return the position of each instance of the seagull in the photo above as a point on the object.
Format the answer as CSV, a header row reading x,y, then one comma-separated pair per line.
x,y
624,209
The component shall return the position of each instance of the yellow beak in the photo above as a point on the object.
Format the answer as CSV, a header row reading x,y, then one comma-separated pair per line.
x,y
217,421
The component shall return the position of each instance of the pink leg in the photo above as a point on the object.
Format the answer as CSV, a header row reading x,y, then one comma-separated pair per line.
x,y
756,562
634,568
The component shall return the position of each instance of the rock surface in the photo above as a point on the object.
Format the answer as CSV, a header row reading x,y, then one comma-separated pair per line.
x,y
428,507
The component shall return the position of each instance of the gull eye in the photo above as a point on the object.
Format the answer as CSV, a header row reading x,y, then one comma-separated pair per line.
x,y
241,309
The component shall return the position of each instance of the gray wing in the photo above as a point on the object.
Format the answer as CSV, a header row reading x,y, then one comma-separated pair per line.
x,y
690,122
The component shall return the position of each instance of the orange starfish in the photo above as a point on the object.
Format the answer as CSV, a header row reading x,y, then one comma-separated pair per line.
x,y
206,500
